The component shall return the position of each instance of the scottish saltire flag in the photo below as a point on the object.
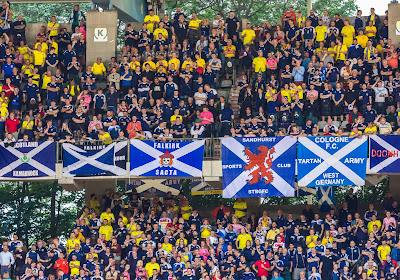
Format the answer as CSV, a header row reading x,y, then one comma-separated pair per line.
x,y
154,187
90,160
199,187
258,167
167,159
326,198
384,154
28,159
331,161
304,191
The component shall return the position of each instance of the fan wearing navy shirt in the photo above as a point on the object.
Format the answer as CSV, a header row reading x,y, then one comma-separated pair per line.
x,y
178,130
144,88
52,91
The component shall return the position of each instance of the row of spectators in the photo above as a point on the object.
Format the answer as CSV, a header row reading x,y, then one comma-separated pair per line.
x,y
142,237
312,76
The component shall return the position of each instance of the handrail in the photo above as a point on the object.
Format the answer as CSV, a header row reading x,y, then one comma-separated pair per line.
x,y
212,147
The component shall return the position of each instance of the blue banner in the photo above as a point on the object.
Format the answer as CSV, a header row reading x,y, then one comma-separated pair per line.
x,y
28,159
326,199
258,167
384,154
154,187
94,160
331,161
166,159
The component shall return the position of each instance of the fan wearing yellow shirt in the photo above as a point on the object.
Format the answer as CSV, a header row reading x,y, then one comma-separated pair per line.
x,y
240,208
106,230
161,30
370,30
98,70
186,211
105,136
383,250
107,215
201,63
151,19
151,266
248,35
348,33
74,265
311,240
44,45
174,61
362,39
340,52
150,63
71,242
38,55
260,64
372,223
166,245
242,239
53,27
321,30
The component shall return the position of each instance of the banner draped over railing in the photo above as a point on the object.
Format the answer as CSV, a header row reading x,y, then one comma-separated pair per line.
x,y
167,159
28,159
384,154
258,167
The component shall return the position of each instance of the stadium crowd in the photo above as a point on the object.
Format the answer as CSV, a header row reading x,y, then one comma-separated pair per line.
x,y
140,237
311,76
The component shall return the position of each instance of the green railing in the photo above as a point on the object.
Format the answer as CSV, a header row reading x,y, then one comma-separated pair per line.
x,y
212,147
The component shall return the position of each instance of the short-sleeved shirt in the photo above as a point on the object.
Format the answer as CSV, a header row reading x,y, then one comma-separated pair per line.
x,y
53,32
240,205
248,35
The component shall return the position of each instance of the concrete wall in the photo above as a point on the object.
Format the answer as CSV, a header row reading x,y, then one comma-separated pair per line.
x,y
108,49
394,16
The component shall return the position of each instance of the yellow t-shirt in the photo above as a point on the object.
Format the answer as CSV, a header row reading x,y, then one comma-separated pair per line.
x,y
372,223
150,26
163,31
190,63
288,94
74,90
27,125
248,35
241,206
167,247
338,51
39,57
55,46
242,239
272,233
131,227
330,50
187,215
74,270
29,70
163,63
106,135
98,69
176,63
35,79
152,65
133,65
150,268
179,240
71,244
313,239
46,80
348,31
362,40
369,28
260,64
269,94
201,63
371,130
53,32
3,111
321,32
108,217
44,45
195,24
231,48
206,232
383,251
24,51
107,230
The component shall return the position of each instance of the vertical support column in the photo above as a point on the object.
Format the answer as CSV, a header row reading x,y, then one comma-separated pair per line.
x,y
309,6
394,186
393,19
101,38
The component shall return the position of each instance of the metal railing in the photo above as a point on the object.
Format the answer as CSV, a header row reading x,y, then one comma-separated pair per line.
x,y
212,147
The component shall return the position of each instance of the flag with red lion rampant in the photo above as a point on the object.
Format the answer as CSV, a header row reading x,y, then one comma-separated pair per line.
x,y
258,166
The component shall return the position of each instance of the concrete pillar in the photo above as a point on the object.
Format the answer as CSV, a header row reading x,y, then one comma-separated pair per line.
x,y
309,6
393,19
394,186
101,38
